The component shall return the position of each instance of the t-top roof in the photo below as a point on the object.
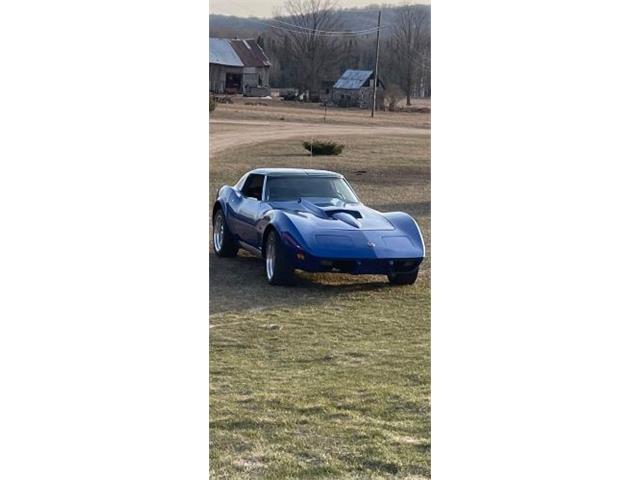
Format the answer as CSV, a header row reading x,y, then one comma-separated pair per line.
x,y
353,79
237,53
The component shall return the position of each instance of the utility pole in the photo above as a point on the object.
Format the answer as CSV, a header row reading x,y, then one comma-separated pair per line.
x,y
375,75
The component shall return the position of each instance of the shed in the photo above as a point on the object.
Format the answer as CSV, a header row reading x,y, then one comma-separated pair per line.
x,y
355,89
238,66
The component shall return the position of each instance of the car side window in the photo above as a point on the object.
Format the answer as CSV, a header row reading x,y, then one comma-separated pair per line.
x,y
253,186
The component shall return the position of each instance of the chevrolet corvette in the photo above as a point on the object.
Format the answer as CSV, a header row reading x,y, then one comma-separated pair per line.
x,y
312,220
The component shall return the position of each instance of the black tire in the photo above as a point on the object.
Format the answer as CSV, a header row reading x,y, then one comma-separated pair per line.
x,y
278,268
403,278
223,245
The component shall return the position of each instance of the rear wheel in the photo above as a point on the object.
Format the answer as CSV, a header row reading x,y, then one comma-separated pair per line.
x,y
223,243
277,266
403,278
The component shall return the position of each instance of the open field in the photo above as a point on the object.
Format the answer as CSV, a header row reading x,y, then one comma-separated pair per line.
x,y
328,379
233,133
261,110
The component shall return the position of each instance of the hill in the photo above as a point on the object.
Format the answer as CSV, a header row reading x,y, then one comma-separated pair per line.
x,y
351,19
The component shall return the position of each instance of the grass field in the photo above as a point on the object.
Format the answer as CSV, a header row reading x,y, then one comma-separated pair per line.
x,y
328,379
315,113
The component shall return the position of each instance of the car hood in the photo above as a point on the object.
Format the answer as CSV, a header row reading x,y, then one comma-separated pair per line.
x,y
336,215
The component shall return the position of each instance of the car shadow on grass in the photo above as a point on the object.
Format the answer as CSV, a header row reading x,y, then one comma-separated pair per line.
x,y
239,284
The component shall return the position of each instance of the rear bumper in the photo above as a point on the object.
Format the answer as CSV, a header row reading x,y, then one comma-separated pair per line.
x,y
356,266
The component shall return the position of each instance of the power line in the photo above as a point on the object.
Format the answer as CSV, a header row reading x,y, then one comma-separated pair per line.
x,y
320,33
353,32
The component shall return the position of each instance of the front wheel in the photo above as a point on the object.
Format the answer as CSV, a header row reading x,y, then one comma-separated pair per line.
x,y
403,278
223,242
277,266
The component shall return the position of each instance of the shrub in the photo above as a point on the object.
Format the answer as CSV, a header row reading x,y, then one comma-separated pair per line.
x,y
323,148
392,96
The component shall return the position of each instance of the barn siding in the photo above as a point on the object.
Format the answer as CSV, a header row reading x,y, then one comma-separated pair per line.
x,y
250,75
361,98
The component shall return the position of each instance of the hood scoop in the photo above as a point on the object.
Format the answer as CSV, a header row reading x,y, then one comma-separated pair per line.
x,y
360,218
313,208
347,217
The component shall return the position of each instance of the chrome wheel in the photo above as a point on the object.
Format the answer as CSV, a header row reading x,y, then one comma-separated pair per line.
x,y
218,232
270,255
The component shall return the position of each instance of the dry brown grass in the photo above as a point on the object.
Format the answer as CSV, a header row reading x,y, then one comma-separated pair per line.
x,y
277,110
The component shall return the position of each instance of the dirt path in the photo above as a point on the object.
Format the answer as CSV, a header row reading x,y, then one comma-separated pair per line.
x,y
245,132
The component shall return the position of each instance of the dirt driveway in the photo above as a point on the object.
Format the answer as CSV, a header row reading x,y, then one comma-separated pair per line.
x,y
225,134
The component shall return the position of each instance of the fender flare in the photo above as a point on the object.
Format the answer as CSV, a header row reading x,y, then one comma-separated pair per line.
x,y
407,224
281,222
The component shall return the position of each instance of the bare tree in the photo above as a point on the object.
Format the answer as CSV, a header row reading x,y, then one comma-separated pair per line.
x,y
427,68
301,28
410,38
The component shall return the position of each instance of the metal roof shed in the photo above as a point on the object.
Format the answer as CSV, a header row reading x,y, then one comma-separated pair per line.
x,y
355,79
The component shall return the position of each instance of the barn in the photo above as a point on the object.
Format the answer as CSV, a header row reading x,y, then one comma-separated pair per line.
x,y
238,66
355,89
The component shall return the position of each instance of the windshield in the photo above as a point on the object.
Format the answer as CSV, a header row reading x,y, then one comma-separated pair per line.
x,y
293,188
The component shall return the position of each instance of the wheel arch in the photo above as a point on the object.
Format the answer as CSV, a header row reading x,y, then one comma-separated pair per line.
x,y
217,206
221,201
284,226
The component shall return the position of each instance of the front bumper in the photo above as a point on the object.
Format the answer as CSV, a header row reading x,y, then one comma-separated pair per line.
x,y
359,266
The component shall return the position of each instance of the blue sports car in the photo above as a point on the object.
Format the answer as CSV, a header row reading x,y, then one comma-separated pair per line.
x,y
312,220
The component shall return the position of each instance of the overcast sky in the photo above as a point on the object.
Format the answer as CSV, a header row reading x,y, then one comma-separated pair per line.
x,y
264,8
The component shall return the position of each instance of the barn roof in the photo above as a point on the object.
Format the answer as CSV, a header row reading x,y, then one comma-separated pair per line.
x,y
237,53
250,53
222,53
353,79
